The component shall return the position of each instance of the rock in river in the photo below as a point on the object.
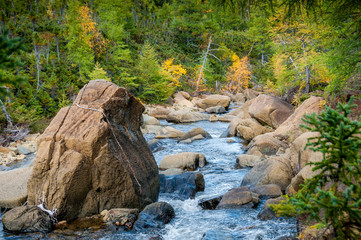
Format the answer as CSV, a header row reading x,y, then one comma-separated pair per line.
x,y
93,156
155,215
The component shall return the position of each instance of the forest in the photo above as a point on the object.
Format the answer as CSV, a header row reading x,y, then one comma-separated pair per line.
x,y
49,49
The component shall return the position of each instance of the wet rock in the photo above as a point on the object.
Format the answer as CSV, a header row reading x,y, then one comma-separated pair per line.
x,y
216,234
169,132
26,219
238,197
214,100
265,145
194,138
210,204
266,212
172,171
79,164
246,160
186,116
216,109
13,187
153,144
120,216
159,112
91,222
270,110
155,215
23,150
153,129
250,128
268,190
186,161
287,238
274,170
182,186
194,132
291,127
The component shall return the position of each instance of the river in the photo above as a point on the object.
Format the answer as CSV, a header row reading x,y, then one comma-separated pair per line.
x,y
191,221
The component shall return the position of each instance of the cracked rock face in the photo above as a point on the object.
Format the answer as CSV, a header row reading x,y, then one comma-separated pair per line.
x,y
87,162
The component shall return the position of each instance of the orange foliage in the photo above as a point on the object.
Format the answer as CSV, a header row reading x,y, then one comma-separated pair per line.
x,y
238,74
90,33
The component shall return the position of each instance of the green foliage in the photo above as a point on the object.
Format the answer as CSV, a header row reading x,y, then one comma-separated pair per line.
x,y
98,73
332,197
8,63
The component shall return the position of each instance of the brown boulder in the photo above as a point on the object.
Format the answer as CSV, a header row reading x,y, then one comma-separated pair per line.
x,y
250,94
291,127
274,170
268,190
88,162
186,116
250,128
185,160
270,110
159,112
238,197
266,212
194,132
265,145
169,132
246,160
214,100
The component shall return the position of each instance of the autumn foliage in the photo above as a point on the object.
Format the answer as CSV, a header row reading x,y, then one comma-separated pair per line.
x,y
239,74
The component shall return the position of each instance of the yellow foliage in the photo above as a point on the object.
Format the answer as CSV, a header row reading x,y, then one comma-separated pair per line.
x,y
90,33
172,71
238,74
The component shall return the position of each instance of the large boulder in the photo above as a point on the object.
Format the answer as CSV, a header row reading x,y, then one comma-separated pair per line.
x,y
186,160
182,186
300,178
291,127
250,94
214,100
13,187
265,145
238,197
26,219
182,99
186,116
155,215
149,120
274,170
93,156
268,190
270,110
250,128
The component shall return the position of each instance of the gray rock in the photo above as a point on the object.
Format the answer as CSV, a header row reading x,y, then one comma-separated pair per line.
x,y
26,219
182,186
155,215
266,212
268,191
216,109
210,204
186,161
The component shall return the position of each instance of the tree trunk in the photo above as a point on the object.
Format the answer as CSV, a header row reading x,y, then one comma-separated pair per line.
x,y
8,118
57,48
37,55
307,69
203,64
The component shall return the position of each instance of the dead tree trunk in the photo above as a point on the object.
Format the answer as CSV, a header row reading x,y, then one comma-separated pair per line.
x,y
307,69
203,64
37,55
8,118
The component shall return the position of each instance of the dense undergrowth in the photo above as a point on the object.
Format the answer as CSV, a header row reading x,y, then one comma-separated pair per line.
x,y
155,48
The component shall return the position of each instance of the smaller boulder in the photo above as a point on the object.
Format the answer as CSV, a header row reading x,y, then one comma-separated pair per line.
x,y
182,186
268,190
210,203
149,120
172,171
266,212
245,160
194,132
159,112
239,197
216,109
169,132
214,100
24,150
186,161
250,94
250,128
120,216
265,145
27,219
155,215
186,116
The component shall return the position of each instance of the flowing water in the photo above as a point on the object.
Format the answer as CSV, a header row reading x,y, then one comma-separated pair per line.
x,y
191,221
